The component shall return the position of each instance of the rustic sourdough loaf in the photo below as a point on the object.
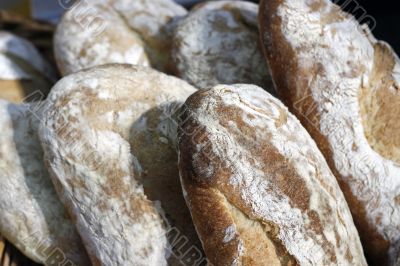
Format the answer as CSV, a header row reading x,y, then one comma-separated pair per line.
x,y
344,86
106,40
109,138
116,31
32,217
217,43
259,190
155,22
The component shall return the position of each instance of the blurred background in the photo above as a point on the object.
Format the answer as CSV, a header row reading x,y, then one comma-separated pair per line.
x,y
384,12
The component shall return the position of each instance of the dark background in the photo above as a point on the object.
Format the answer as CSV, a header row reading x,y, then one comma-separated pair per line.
x,y
387,16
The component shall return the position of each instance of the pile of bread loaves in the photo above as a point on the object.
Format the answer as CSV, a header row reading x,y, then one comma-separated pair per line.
x,y
121,164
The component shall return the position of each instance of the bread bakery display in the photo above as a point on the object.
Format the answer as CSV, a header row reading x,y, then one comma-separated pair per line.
x,y
258,188
32,217
217,43
116,31
109,141
24,74
276,143
344,86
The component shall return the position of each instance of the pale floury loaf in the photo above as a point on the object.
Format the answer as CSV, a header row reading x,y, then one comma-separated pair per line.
x,y
106,40
259,190
155,22
344,86
109,139
23,71
218,43
116,31
32,217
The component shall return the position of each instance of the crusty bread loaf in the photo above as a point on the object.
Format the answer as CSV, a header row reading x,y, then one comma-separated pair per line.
x,y
116,31
109,141
344,86
217,43
23,71
106,40
32,217
259,190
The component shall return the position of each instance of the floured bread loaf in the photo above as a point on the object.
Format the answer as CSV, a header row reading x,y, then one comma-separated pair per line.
x,y
106,40
24,74
32,217
258,188
109,141
116,31
344,86
155,22
218,43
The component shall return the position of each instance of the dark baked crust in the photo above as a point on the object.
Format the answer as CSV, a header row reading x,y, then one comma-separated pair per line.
x,y
217,203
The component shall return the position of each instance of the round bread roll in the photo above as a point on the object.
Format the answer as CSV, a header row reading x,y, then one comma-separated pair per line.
x,y
218,43
24,74
107,40
115,31
344,86
32,217
259,190
110,143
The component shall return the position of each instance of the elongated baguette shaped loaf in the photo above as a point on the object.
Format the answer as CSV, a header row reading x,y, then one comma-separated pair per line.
x,y
110,143
218,43
259,190
344,86
23,71
31,215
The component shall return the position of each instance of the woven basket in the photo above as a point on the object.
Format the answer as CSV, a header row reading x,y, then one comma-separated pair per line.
x,y
40,34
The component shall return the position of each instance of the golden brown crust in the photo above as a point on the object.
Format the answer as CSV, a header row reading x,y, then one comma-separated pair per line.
x,y
235,158
209,214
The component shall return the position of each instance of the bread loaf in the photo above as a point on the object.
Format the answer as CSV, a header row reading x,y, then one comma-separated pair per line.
x,y
116,31
24,74
217,43
344,86
259,190
32,217
106,40
109,142
155,22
